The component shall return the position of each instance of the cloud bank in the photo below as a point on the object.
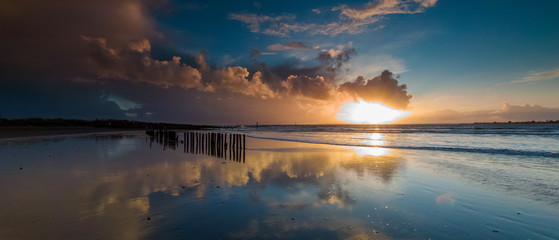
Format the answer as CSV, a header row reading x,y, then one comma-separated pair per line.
x,y
508,112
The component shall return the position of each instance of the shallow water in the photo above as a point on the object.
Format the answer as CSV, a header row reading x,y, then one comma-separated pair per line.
x,y
127,187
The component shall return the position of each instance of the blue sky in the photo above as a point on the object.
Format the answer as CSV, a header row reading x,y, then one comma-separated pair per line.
x,y
469,59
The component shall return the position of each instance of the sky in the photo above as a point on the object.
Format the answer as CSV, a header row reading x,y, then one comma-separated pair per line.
x,y
279,62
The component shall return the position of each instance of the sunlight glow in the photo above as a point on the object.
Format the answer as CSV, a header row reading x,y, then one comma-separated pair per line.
x,y
363,112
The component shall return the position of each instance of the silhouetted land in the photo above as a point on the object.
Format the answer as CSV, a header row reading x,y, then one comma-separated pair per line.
x,y
10,128
520,122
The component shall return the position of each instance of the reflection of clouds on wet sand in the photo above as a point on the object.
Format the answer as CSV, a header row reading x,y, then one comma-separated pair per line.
x,y
116,183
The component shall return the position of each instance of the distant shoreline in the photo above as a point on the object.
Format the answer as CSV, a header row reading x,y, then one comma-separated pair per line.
x,y
30,131
37,127
519,122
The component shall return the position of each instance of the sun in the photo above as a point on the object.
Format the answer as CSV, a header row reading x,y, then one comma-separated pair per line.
x,y
363,112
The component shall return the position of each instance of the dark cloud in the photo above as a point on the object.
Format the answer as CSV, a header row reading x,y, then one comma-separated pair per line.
x,y
333,60
45,35
134,63
331,66
384,88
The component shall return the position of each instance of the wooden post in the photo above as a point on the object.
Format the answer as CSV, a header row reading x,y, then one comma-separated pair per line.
x,y
191,142
234,146
213,144
225,145
218,135
222,146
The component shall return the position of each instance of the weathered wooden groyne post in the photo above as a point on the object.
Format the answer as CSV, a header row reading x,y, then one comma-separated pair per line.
x,y
223,145
240,148
216,144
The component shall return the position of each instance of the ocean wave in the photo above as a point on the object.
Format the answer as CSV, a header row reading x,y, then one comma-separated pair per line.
x,y
501,151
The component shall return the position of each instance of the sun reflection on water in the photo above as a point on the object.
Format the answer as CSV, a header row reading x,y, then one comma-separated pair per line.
x,y
371,151
373,139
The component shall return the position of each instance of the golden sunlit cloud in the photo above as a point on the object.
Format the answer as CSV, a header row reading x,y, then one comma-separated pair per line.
x,y
363,112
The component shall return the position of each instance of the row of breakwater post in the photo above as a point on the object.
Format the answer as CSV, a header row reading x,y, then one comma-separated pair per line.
x,y
222,145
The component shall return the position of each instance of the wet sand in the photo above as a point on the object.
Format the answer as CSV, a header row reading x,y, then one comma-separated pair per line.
x,y
128,186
